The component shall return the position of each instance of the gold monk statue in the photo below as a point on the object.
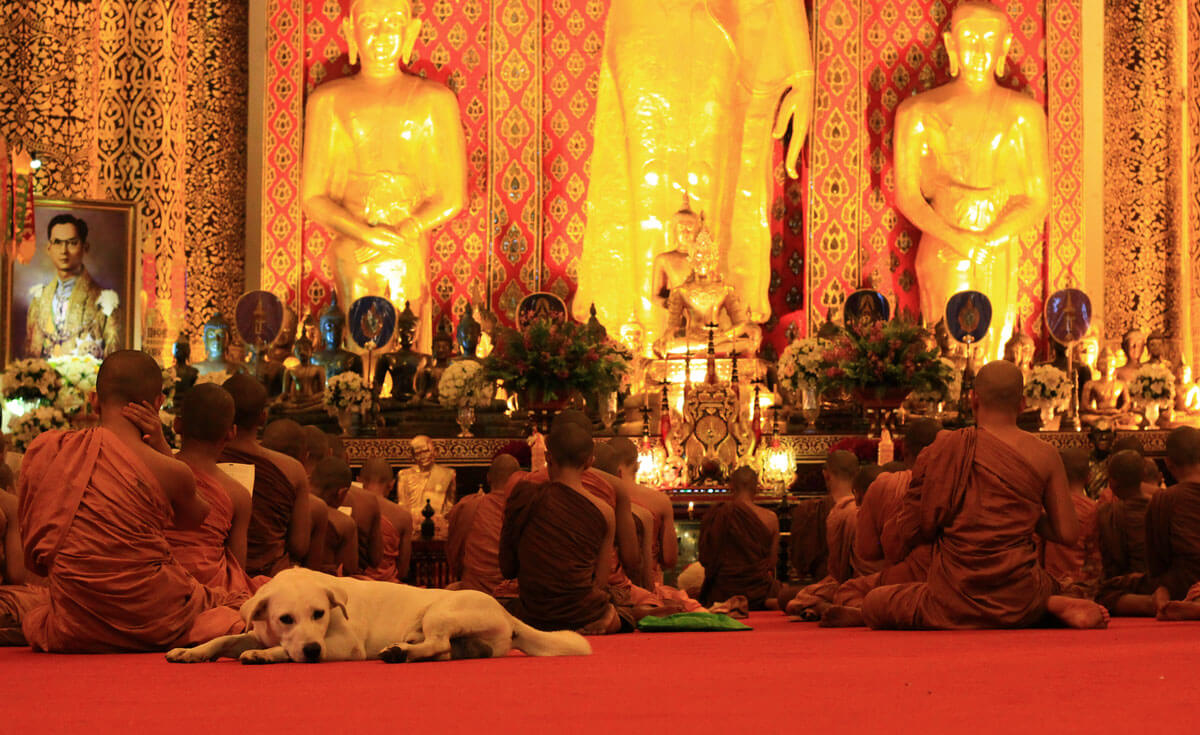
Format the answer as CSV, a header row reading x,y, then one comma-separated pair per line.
x,y
972,171
691,95
705,298
1105,396
384,162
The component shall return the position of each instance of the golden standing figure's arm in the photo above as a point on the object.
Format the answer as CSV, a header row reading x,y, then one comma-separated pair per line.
x,y
796,106
446,165
1027,210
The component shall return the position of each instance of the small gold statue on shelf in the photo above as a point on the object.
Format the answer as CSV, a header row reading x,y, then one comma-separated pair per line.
x,y
1187,393
405,366
1156,348
1133,345
1104,397
673,267
1019,350
185,374
304,383
216,349
335,358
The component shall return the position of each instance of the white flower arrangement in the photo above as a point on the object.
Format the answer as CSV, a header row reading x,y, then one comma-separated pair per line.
x,y
70,400
31,379
77,371
167,419
169,380
24,429
108,301
1047,387
463,384
219,377
1153,384
346,392
800,364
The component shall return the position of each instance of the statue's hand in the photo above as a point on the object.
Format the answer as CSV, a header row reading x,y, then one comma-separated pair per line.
x,y
792,110
384,238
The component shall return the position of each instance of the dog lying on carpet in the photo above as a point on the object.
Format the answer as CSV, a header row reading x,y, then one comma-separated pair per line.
x,y
306,616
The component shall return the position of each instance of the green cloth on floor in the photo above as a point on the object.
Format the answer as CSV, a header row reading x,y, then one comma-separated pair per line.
x,y
691,621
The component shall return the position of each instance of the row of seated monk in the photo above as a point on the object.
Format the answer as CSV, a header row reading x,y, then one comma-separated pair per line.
x,y
121,545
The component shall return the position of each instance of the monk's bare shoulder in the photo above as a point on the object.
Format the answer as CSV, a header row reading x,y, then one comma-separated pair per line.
x,y
238,495
605,509
288,465
1040,453
769,519
342,522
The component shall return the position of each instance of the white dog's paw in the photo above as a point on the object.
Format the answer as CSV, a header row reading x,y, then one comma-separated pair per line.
x,y
257,656
187,656
397,653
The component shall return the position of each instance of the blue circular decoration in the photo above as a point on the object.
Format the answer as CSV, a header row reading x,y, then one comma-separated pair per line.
x,y
1068,315
968,316
372,322
865,307
258,317
541,306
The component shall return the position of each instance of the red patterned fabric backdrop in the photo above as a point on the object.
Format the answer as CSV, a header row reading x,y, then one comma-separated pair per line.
x,y
525,74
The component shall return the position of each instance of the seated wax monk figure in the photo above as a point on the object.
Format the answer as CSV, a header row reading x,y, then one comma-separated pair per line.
x,y
1077,568
1172,536
94,508
331,483
557,542
739,546
20,591
280,516
1121,521
840,470
473,545
214,553
287,437
978,495
395,524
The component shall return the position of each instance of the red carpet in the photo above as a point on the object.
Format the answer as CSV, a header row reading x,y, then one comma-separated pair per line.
x,y
781,677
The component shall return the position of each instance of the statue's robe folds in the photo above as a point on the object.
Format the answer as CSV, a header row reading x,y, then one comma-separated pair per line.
x,y
271,507
385,570
203,551
94,521
549,544
978,500
735,551
687,98
1077,569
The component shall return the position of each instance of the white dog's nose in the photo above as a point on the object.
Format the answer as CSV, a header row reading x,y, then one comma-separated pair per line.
x,y
312,652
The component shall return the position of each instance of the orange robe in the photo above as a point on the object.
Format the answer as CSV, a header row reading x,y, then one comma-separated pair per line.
x,y
1077,569
270,514
1173,538
94,520
735,551
203,551
16,600
386,570
843,563
656,571
549,543
978,500
475,528
1121,525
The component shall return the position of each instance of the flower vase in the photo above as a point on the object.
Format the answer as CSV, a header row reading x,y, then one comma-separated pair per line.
x,y
346,420
466,417
1046,416
1152,410
810,408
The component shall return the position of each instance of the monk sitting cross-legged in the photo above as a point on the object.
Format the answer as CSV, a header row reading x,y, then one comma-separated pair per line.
x,y
290,439
395,524
20,591
94,508
557,542
1122,519
216,551
280,520
473,544
1077,568
739,546
1172,538
978,495
331,483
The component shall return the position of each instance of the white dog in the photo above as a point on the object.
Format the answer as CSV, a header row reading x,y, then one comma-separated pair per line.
x,y
306,616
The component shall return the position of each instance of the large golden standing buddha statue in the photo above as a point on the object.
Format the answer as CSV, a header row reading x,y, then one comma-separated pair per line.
x,y
972,171
691,93
384,162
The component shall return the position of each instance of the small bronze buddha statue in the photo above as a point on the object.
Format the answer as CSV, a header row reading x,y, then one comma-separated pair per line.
x,y
216,349
334,357
468,334
405,366
443,352
1105,396
185,374
304,384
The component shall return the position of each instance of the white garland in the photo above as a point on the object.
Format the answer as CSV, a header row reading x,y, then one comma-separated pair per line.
x,y
30,379
24,429
1153,384
800,364
463,384
1047,387
219,377
346,392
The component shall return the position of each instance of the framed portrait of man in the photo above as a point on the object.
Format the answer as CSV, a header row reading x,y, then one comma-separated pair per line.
x,y
75,295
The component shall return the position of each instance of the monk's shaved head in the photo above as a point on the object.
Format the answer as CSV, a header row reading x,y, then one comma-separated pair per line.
x,y
1150,472
842,464
863,479
999,386
1183,447
571,416
1125,471
626,451
1129,442
206,413
570,446
376,469
1078,463
7,481
744,480
317,443
605,459
286,437
503,466
336,447
249,400
918,434
331,476
129,376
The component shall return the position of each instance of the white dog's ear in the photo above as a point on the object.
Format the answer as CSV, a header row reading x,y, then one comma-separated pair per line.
x,y
337,598
255,608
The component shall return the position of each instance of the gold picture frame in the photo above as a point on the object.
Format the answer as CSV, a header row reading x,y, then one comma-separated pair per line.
x,y
110,262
